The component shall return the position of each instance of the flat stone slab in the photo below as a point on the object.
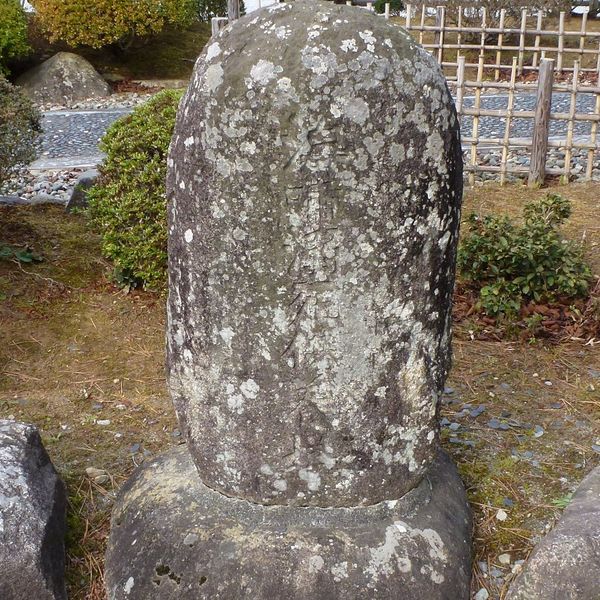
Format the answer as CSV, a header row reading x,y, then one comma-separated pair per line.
x,y
566,564
32,518
173,537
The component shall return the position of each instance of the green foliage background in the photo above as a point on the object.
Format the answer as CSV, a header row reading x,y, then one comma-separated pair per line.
x,y
98,23
13,32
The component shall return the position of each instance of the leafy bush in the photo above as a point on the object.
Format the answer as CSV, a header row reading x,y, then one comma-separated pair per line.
x,y
98,23
513,265
13,32
128,204
19,129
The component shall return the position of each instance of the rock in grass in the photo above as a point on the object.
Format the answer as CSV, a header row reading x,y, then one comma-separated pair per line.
x,y
32,518
79,196
566,563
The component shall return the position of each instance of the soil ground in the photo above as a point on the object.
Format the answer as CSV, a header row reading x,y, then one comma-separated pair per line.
x,y
84,362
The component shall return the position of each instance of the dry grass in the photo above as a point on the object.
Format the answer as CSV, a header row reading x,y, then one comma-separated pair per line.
x,y
74,352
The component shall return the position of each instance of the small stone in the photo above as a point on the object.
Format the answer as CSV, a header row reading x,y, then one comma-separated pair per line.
x,y
538,431
482,594
501,515
596,448
190,539
97,475
454,426
103,422
508,502
504,559
477,411
134,448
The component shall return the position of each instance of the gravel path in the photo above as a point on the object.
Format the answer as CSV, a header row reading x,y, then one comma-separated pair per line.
x,y
71,136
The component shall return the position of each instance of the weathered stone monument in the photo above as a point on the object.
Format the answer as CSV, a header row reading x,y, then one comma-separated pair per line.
x,y
314,187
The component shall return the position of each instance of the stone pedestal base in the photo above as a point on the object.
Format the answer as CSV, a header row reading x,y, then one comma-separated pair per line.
x,y
172,537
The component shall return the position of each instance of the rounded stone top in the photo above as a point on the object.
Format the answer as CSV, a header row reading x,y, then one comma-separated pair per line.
x,y
314,188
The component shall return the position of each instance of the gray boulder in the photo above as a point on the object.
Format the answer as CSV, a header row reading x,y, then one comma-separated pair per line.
x,y
32,518
565,565
79,196
63,79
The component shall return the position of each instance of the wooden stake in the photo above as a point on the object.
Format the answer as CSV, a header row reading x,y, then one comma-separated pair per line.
x,y
541,124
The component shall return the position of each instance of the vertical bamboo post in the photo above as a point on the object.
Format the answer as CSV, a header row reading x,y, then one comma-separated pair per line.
x,y
442,19
522,40
408,16
459,23
483,31
561,42
593,137
571,121
582,36
541,124
538,39
500,44
422,24
386,13
508,124
460,84
475,134
233,10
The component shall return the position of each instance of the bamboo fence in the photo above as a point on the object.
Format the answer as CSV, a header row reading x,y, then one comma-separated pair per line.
x,y
536,145
450,37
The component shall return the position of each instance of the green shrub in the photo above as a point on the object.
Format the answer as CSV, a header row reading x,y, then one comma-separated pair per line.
x,y
98,23
513,265
13,32
128,204
19,129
